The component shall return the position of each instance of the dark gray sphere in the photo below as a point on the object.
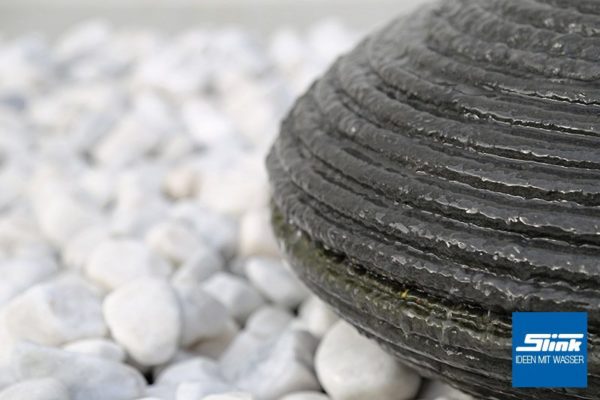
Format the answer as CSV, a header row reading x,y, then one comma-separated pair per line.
x,y
446,173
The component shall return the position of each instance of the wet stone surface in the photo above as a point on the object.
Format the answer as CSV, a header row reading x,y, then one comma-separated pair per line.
x,y
444,174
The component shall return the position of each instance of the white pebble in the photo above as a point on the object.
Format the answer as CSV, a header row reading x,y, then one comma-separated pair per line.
x,y
61,215
200,390
218,230
140,203
180,356
118,261
441,391
56,312
98,184
351,367
280,366
194,369
79,248
316,316
305,396
202,316
86,377
269,100
236,294
144,318
103,348
275,281
36,389
20,237
234,359
208,126
174,241
7,376
203,263
182,181
13,179
127,142
229,396
19,274
236,189
268,321
214,347
256,235
6,350
176,149
162,392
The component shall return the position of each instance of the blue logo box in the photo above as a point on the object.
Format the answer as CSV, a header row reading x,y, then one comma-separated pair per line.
x,y
549,349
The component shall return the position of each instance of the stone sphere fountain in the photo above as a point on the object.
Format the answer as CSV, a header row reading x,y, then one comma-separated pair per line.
x,y
446,173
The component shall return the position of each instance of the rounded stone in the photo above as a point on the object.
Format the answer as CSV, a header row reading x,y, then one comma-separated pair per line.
x,y
275,281
240,298
316,316
202,316
268,321
86,377
100,347
36,389
305,396
352,367
144,318
174,240
20,273
55,313
230,396
116,262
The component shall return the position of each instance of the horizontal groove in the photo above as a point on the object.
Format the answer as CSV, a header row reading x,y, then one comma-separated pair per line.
x,y
475,20
581,6
485,105
400,192
360,239
448,40
445,164
544,17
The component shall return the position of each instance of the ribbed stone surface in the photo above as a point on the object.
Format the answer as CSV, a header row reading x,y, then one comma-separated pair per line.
x,y
446,173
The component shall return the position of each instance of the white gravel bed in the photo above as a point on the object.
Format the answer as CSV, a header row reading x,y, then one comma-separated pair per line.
x,y
136,257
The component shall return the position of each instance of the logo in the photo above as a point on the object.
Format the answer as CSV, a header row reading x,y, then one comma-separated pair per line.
x,y
542,342
549,349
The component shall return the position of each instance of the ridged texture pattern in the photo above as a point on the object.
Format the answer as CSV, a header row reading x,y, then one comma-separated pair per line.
x,y
446,173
